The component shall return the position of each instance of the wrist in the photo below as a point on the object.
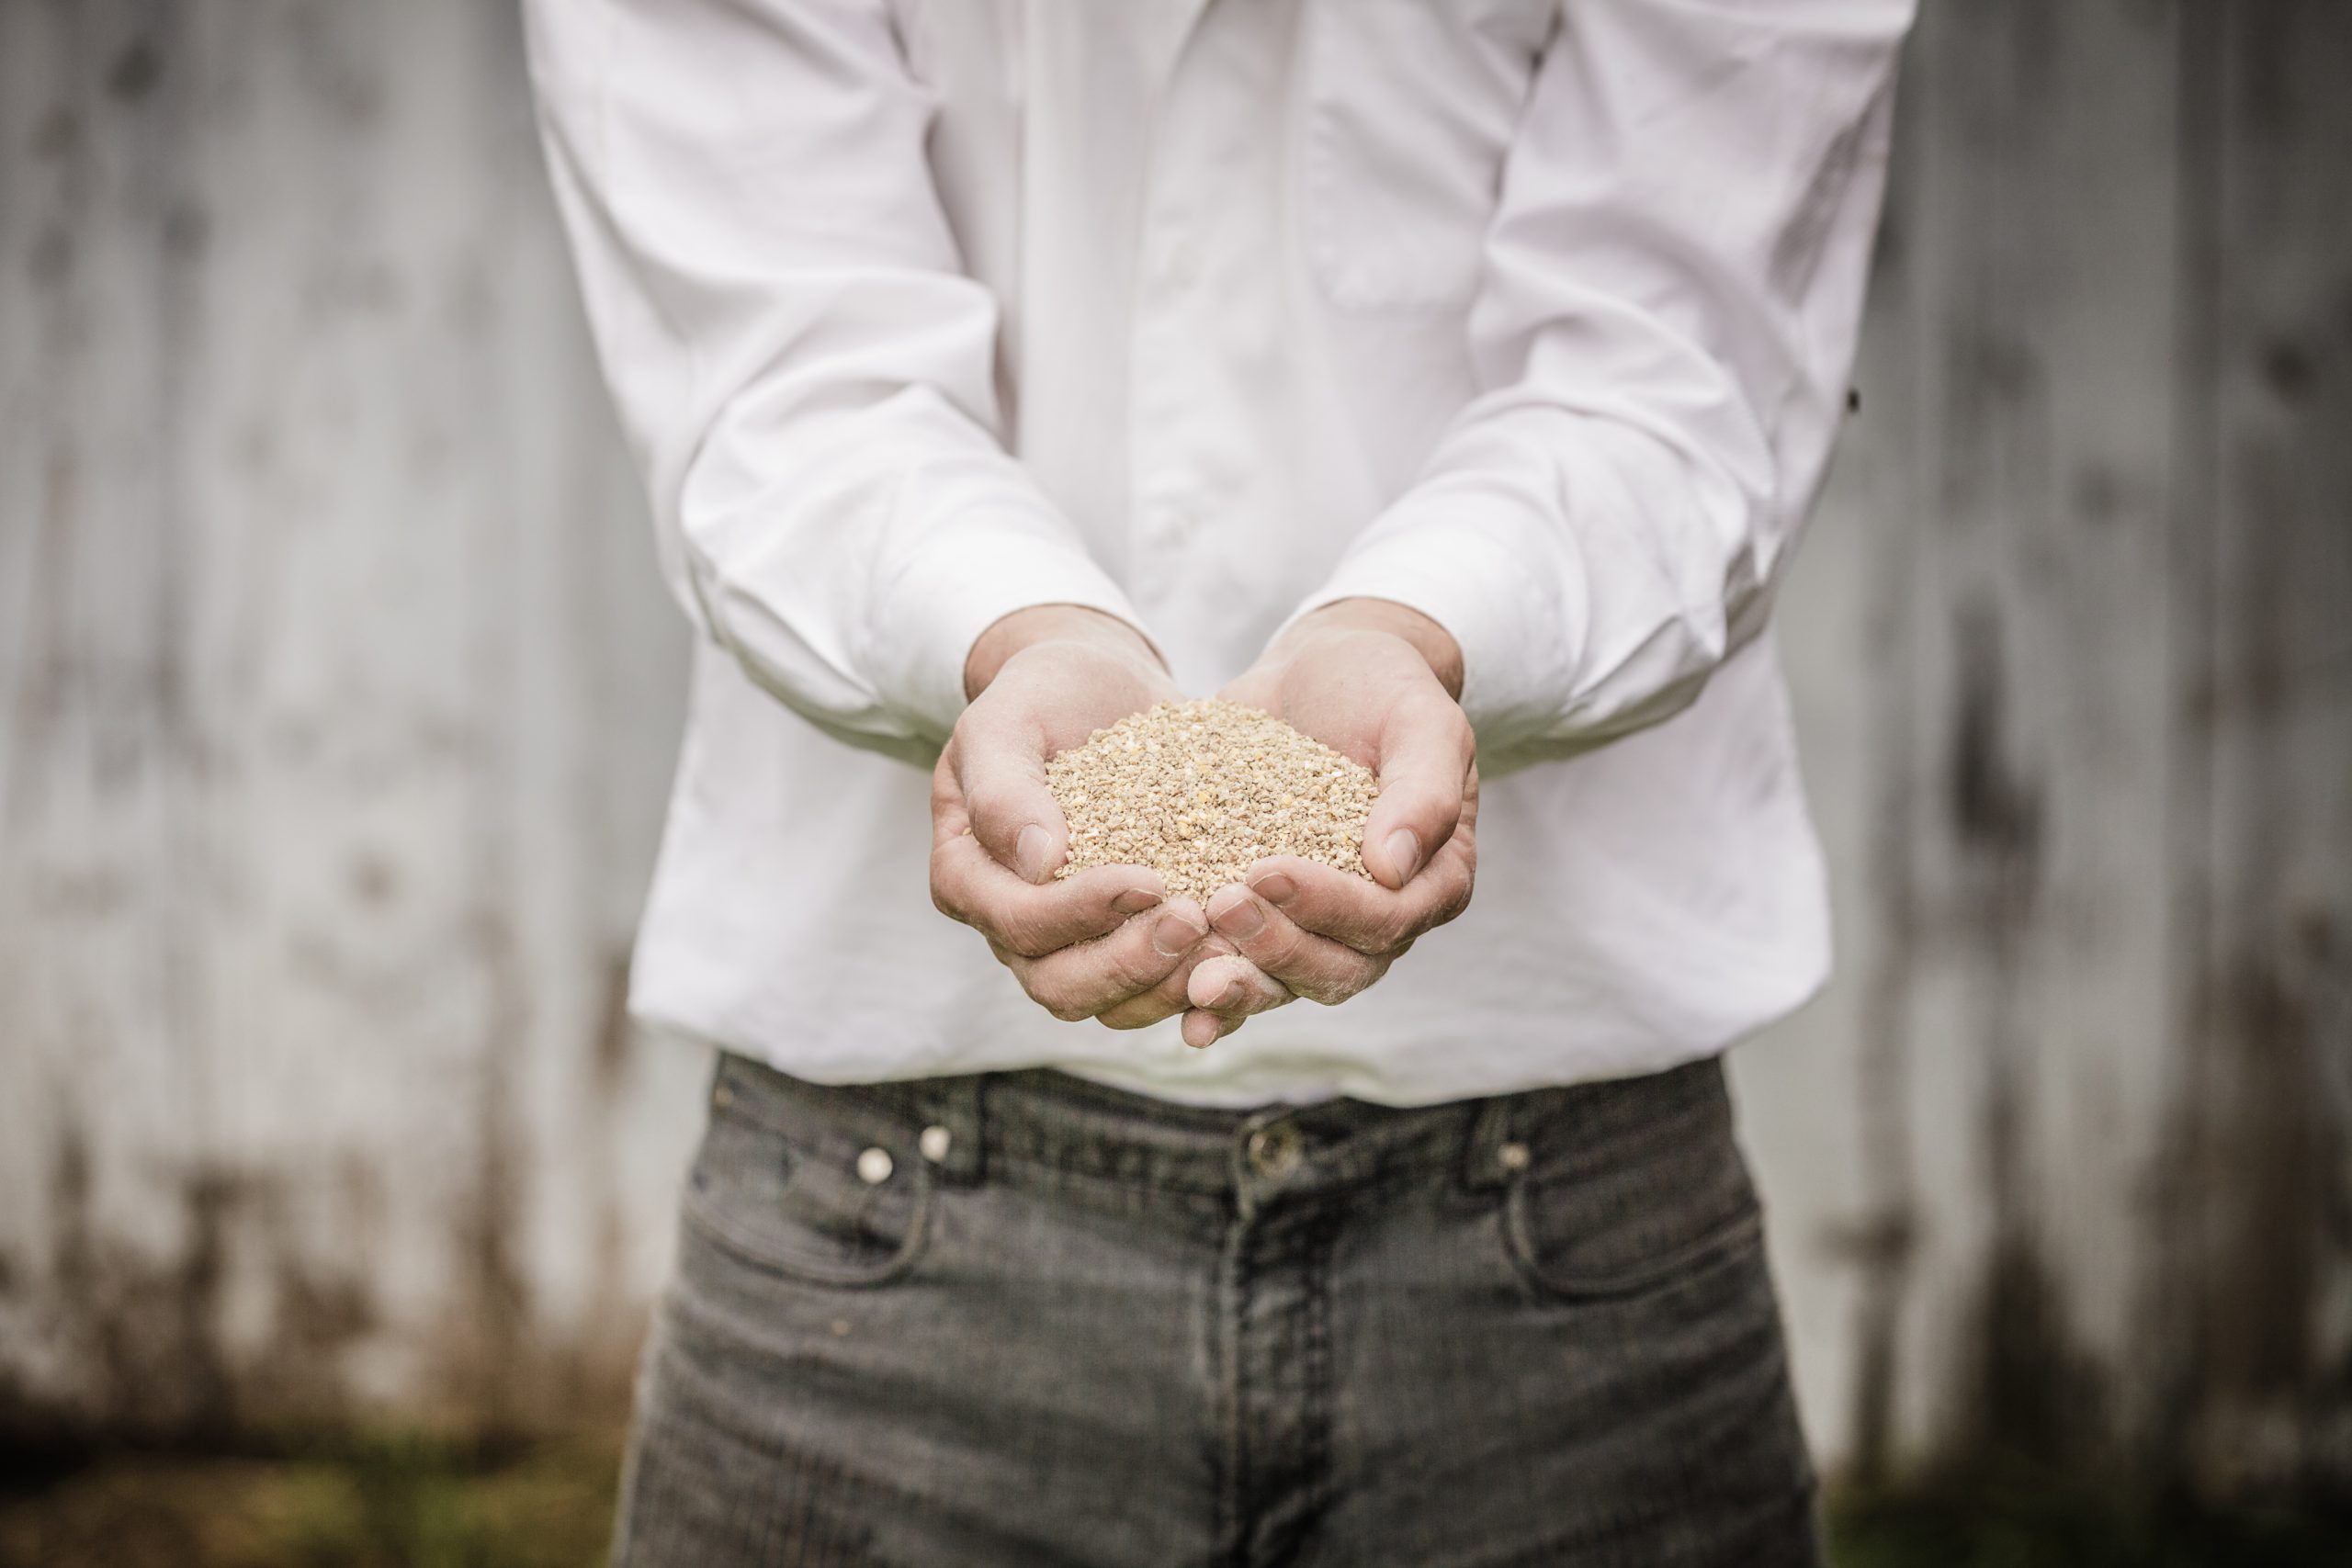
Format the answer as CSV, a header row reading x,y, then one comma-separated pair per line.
x,y
1424,636
1010,634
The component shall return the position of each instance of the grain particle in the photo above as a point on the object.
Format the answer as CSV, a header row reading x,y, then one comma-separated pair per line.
x,y
1199,790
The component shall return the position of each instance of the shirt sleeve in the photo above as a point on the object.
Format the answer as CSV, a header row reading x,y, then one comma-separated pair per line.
x,y
1666,318
803,369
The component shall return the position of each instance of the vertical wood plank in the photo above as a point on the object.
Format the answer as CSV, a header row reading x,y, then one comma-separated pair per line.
x,y
109,1067
342,702
2265,1193
2041,715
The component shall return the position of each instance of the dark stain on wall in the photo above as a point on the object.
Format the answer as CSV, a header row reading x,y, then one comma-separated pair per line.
x,y
147,1348
2028,1389
135,71
487,1342
2251,1241
2031,1390
2272,1185
1995,810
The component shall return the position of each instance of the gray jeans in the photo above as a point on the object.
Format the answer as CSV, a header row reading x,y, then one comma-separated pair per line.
x,y
1021,1319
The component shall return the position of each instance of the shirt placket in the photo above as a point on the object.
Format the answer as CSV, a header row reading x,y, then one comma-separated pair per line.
x,y
1188,455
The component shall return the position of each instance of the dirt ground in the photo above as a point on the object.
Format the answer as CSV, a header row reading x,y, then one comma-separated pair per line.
x,y
393,1501
370,1502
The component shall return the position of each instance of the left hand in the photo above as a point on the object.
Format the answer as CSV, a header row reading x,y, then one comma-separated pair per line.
x,y
1379,682
1106,943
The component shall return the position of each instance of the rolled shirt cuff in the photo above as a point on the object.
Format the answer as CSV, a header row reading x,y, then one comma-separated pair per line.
x,y
957,586
1518,624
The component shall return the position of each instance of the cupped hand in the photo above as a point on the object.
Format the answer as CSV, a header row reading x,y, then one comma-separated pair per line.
x,y
1105,942
1379,682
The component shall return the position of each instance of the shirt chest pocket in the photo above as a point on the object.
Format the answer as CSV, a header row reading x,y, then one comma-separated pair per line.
x,y
1410,106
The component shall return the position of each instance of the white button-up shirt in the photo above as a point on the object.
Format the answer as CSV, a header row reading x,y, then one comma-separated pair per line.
x,y
1535,315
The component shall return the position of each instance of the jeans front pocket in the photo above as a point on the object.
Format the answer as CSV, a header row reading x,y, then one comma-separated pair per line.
x,y
1650,1213
778,1187
1410,109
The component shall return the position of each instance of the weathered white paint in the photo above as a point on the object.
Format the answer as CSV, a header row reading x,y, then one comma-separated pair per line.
x,y
340,705
337,697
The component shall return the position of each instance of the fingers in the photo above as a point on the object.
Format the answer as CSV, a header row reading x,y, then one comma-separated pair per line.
x,y
1090,977
1225,988
1308,964
1001,764
1203,1029
1164,1000
1369,919
1167,999
1231,987
968,884
1426,749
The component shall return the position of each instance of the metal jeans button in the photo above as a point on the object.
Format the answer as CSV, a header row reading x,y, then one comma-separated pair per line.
x,y
1275,1149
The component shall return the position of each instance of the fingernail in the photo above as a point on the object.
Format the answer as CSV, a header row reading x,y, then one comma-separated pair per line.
x,y
1405,852
1173,935
1274,887
1030,852
1134,900
1243,920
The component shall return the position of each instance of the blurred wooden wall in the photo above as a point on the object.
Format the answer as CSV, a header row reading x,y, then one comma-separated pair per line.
x,y
337,702
337,697
2060,1159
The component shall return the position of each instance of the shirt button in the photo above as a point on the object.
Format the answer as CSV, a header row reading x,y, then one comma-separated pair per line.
x,y
873,1167
934,1143
1273,1150
1177,524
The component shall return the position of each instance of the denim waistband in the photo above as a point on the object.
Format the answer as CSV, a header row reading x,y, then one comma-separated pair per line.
x,y
961,1125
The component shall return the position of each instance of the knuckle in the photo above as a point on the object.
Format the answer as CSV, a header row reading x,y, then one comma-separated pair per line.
x,y
1279,945
1050,993
946,895
1069,1011
1330,993
1040,925
1351,980
1019,930
1174,993
1141,972
1345,981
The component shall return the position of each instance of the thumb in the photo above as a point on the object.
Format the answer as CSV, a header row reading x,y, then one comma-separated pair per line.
x,y
1426,749
1001,767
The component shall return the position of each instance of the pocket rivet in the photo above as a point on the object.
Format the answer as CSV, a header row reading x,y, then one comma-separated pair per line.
x,y
1512,1157
722,1096
1274,1150
934,1143
873,1167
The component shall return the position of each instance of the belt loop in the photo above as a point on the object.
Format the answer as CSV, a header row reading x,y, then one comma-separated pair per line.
x,y
1482,1158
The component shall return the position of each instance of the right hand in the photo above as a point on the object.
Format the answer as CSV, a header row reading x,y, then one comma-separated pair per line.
x,y
1381,682
1105,942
